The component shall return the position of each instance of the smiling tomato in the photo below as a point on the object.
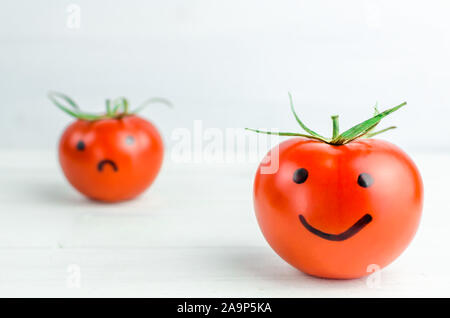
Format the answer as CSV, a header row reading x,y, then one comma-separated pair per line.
x,y
111,157
337,207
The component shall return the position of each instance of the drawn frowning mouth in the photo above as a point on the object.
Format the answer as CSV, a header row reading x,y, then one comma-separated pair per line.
x,y
355,228
102,163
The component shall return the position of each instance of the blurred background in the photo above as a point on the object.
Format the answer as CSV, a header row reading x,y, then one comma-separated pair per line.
x,y
229,63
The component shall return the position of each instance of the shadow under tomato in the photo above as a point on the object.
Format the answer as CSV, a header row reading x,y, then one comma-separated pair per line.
x,y
262,264
57,194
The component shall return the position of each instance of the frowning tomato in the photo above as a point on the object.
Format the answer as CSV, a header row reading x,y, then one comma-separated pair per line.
x,y
111,157
335,208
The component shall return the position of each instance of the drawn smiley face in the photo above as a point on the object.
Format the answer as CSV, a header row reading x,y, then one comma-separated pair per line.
x,y
332,211
112,159
365,180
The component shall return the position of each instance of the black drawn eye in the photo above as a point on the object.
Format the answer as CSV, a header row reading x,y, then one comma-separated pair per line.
x,y
365,180
300,175
129,140
81,145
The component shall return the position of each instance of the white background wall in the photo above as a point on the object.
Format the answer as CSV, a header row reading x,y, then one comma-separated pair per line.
x,y
229,63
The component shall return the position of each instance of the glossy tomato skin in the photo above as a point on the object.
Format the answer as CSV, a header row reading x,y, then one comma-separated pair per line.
x,y
112,159
331,200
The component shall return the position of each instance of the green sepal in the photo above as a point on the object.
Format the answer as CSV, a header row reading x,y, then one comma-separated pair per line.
x,y
285,134
364,127
76,112
370,135
305,128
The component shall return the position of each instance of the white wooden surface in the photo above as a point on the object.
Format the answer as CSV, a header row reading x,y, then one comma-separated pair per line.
x,y
192,234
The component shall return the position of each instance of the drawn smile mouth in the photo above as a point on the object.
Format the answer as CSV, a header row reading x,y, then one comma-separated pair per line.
x,y
102,163
355,228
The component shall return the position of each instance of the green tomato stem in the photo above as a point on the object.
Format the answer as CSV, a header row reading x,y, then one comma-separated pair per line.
x,y
335,120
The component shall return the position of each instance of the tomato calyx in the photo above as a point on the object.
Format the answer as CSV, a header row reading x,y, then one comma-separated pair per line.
x,y
115,109
362,130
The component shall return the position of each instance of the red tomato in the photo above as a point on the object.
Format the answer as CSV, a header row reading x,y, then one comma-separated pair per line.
x,y
331,211
111,159
338,207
